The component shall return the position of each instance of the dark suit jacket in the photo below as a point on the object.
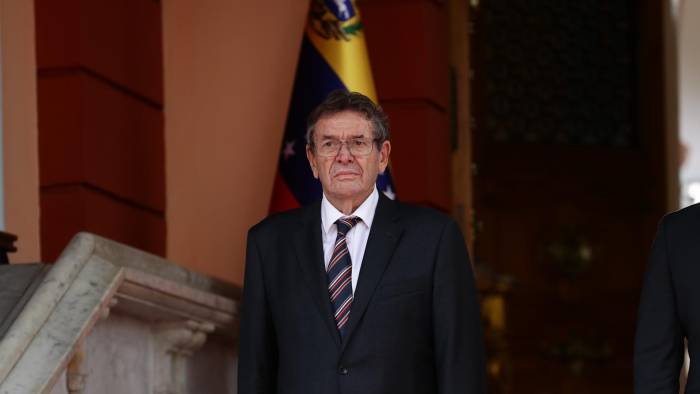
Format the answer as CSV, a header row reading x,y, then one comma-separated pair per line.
x,y
670,307
414,326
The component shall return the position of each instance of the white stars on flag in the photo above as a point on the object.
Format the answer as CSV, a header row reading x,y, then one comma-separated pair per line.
x,y
389,193
288,150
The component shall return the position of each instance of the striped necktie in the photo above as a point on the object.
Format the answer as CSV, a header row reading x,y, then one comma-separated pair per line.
x,y
339,273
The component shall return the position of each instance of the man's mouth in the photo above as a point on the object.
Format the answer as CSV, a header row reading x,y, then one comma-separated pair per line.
x,y
346,174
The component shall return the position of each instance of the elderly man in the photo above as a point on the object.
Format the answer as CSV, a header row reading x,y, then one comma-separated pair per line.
x,y
358,294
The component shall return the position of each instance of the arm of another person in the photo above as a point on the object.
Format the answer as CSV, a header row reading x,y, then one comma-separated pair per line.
x,y
459,344
257,363
658,348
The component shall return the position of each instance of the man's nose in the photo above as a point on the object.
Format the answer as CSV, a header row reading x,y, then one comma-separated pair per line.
x,y
344,154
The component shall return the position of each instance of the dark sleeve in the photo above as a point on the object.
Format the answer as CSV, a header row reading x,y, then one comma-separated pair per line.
x,y
459,345
658,348
257,363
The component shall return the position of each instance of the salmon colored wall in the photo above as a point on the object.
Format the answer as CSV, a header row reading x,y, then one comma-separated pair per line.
x,y
228,69
20,151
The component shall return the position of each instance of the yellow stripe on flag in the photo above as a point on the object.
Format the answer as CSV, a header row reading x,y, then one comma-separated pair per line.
x,y
348,58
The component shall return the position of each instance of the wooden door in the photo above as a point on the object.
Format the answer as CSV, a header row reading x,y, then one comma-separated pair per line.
x,y
568,134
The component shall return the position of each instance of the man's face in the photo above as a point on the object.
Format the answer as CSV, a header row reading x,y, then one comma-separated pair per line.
x,y
346,177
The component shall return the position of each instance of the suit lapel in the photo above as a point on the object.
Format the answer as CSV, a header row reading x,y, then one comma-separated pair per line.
x,y
309,250
383,239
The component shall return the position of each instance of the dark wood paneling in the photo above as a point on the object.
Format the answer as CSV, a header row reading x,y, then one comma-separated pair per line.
x,y
570,319
69,209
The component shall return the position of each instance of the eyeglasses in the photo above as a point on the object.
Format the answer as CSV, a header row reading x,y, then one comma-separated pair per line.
x,y
357,146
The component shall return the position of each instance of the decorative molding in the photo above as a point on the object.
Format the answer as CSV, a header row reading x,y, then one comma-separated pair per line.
x,y
153,298
104,313
76,373
174,343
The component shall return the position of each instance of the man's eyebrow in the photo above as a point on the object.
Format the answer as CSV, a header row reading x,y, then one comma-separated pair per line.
x,y
330,137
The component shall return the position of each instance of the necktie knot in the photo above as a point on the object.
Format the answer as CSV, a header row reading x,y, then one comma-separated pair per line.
x,y
346,223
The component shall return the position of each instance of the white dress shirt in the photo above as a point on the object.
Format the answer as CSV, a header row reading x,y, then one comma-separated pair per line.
x,y
356,238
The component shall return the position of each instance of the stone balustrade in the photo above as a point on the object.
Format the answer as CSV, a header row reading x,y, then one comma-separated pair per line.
x,y
110,319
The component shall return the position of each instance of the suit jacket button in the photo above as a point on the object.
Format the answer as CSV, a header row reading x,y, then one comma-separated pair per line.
x,y
342,370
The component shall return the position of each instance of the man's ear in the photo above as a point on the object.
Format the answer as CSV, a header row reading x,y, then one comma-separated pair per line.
x,y
312,160
384,152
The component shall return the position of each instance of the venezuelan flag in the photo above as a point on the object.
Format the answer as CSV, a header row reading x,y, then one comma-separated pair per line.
x,y
333,56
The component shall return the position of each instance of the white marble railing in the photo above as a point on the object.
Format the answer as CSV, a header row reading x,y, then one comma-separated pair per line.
x,y
107,318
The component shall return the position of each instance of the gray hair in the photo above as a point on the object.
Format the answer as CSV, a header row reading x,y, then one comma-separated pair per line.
x,y
342,100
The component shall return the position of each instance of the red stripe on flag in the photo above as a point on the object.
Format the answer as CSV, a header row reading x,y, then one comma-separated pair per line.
x,y
282,198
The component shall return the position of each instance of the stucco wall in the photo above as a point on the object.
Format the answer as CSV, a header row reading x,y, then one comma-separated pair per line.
x,y
228,71
20,139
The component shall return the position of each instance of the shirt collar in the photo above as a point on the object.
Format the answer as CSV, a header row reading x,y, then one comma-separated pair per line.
x,y
329,213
